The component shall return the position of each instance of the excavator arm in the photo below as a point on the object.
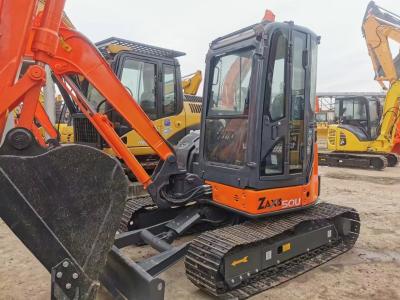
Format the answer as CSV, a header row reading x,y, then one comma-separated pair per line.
x,y
68,52
65,202
191,83
379,27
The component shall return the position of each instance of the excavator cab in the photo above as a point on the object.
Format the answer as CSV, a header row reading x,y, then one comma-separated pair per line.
x,y
258,127
359,115
152,76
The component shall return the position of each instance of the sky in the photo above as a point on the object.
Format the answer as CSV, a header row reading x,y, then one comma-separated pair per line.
x,y
190,26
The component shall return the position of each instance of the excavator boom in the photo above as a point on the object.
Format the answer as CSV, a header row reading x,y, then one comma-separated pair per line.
x,y
191,83
45,200
379,27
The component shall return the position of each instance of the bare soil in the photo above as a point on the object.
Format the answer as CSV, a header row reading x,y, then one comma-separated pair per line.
x,y
369,271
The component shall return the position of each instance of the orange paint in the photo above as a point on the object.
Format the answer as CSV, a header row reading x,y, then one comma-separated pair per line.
x,y
268,201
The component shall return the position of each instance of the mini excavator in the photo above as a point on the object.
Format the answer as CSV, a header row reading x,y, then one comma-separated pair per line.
x,y
250,175
364,138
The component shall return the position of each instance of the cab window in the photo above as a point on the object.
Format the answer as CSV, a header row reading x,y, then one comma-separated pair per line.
x,y
227,118
230,87
139,79
297,106
373,111
169,101
276,77
351,109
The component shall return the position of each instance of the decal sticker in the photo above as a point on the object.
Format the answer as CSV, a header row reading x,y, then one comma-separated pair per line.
x,y
265,203
286,247
167,130
167,122
240,261
291,203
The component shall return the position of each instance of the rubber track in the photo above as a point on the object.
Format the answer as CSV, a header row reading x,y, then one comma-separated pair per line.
x,y
132,206
354,158
206,253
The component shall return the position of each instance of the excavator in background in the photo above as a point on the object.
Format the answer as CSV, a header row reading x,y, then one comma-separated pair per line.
x,y
191,83
329,114
152,75
363,139
182,116
253,166
323,117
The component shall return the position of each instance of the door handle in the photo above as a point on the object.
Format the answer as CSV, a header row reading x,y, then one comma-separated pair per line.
x,y
274,130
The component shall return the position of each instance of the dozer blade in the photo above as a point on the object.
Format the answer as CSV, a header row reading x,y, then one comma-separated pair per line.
x,y
64,205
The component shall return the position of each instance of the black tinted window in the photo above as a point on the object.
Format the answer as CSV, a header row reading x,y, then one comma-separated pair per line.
x,y
230,86
169,102
275,98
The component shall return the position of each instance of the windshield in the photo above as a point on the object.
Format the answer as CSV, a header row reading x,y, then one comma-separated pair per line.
x,y
351,109
373,111
227,124
139,80
138,77
230,87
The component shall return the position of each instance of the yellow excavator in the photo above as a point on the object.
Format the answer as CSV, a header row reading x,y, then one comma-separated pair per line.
x,y
152,75
174,113
363,139
190,86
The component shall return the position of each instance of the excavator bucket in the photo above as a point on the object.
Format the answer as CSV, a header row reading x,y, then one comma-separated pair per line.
x,y
65,205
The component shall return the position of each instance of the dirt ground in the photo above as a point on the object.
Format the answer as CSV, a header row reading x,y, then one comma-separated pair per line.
x,y
369,271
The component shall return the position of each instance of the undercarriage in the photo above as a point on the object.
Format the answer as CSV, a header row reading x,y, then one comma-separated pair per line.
x,y
359,160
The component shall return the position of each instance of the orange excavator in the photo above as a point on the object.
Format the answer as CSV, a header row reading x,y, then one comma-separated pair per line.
x,y
259,203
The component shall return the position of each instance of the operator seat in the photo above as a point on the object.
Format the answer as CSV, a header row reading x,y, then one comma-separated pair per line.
x,y
147,103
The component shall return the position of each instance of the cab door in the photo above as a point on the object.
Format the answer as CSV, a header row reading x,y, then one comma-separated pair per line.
x,y
139,76
171,115
287,98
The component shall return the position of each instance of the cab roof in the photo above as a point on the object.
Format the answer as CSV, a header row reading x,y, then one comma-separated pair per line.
x,y
137,48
